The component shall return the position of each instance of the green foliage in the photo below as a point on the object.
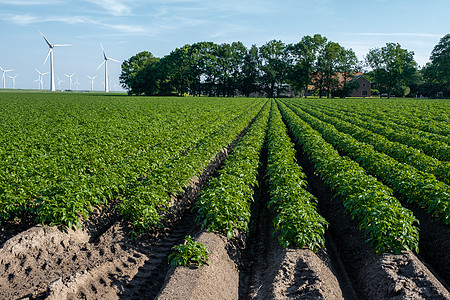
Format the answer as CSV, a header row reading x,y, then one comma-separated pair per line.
x,y
305,55
224,203
63,154
133,77
190,253
402,153
144,204
297,219
392,68
412,184
387,224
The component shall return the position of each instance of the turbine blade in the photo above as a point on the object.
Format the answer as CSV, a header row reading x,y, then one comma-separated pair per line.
x,y
62,45
101,64
37,71
113,59
48,43
103,50
48,53
1,69
8,70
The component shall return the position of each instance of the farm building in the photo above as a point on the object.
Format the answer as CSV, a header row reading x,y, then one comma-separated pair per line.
x,y
362,91
364,87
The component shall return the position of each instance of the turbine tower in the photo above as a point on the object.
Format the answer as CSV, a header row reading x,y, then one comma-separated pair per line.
x,y
3,76
77,84
92,82
59,83
105,61
70,80
14,80
50,52
41,82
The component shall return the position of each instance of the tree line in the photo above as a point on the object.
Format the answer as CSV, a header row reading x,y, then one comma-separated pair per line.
x,y
275,69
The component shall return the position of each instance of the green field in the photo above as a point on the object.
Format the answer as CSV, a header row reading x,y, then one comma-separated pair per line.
x,y
62,154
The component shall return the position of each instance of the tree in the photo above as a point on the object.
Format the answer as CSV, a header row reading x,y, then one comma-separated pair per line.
x,y
237,56
274,63
131,77
393,68
327,68
250,71
440,59
348,65
304,56
183,69
437,73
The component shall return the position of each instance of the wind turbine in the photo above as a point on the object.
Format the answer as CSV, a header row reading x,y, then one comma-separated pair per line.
x,y
41,75
59,83
77,83
50,52
14,80
3,76
70,80
39,83
105,61
92,81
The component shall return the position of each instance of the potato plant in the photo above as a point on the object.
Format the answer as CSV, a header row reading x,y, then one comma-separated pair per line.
x,y
388,225
413,185
224,203
297,220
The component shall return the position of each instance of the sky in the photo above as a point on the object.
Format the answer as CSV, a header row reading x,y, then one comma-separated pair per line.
x,y
127,27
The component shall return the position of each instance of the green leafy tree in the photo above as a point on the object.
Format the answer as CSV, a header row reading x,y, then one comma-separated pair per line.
x,y
440,59
250,72
348,65
436,74
273,66
131,77
305,55
327,67
393,68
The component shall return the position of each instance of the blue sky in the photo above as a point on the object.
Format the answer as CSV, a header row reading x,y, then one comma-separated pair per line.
x,y
126,27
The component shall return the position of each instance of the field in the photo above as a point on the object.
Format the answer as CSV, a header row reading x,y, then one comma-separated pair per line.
x,y
294,198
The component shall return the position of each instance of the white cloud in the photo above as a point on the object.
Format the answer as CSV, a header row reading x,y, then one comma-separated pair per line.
x,y
29,19
114,7
125,28
20,19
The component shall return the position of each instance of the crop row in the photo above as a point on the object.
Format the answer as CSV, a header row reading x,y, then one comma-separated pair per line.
x,y
388,225
414,138
224,203
413,185
70,201
61,156
430,117
400,152
143,205
297,219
